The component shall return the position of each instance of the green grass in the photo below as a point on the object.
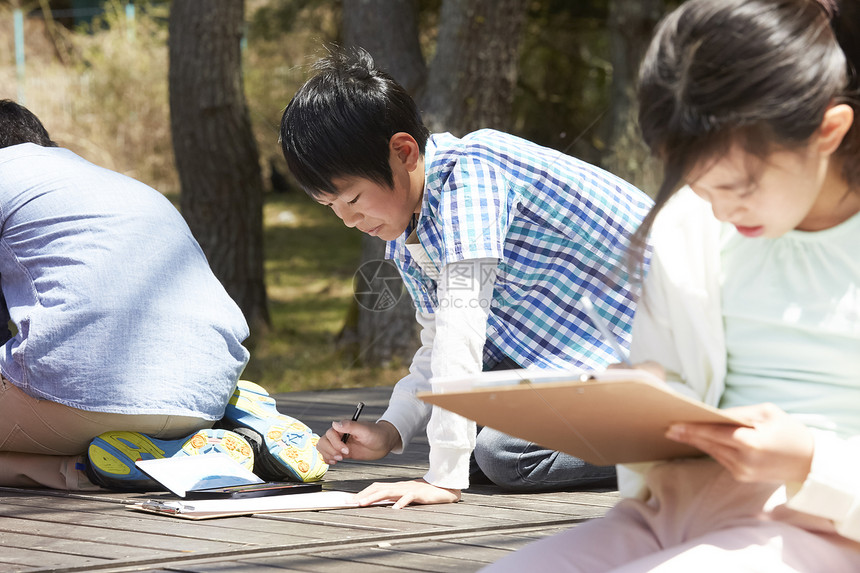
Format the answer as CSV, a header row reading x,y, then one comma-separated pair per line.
x,y
310,261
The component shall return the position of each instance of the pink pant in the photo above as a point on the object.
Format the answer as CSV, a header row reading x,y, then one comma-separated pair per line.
x,y
42,442
698,519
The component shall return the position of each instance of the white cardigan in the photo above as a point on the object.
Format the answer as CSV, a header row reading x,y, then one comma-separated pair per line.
x,y
679,325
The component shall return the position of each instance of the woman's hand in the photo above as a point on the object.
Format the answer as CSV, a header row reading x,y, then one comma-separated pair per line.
x,y
367,441
777,448
405,492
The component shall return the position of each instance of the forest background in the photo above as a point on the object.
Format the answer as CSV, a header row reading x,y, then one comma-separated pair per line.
x,y
131,87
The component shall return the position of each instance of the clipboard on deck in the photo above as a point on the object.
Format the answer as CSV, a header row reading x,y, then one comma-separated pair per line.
x,y
612,417
213,508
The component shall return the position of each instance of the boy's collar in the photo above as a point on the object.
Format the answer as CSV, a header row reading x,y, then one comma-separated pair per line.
x,y
429,156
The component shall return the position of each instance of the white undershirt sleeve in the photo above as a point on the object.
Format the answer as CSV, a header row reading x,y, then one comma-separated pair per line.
x,y
405,412
465,291
831,490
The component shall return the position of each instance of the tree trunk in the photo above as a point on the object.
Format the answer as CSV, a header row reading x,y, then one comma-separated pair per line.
x,y
216,154
470,85
387,330
473,75
630,28
388,30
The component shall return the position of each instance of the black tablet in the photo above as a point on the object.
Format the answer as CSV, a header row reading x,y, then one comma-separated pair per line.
x,y
252,490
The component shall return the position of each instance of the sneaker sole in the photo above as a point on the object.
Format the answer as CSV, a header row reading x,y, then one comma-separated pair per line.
x,y
291,443
112,454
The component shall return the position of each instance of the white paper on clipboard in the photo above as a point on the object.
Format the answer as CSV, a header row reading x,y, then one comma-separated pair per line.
x,y
187,473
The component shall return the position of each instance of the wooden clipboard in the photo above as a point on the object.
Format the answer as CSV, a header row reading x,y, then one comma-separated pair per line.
x,y
612,417
212,508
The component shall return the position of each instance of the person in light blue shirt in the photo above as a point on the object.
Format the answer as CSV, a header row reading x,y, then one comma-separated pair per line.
x,y
117,321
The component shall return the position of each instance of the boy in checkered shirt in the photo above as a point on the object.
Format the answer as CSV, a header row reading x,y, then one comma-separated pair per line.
x,y
496,239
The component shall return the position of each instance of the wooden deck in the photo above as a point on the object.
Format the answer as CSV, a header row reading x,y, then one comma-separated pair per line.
x,y
57,531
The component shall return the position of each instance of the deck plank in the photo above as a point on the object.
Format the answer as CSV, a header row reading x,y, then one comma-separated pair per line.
x,y
70,532
310,563
430,558
25,559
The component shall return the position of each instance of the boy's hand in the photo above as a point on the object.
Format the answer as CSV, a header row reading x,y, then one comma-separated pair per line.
x,y
405,492
777,448
367,441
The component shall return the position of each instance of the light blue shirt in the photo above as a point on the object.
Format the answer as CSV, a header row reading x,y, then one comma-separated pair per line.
x,y
791,307
115,305
560,229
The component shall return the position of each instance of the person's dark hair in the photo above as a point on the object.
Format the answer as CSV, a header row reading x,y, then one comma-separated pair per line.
x,y
845,21
19,125
756,73
340,122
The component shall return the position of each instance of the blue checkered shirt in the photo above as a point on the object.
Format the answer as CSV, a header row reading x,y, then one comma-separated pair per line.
x,y
559,228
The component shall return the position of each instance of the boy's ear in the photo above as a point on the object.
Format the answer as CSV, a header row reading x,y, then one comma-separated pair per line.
x,y
838,119
404,149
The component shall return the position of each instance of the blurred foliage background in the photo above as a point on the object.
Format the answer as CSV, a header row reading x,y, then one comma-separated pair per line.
x,y
96,75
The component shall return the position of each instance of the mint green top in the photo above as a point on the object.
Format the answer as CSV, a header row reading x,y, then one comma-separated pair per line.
x,y
791,308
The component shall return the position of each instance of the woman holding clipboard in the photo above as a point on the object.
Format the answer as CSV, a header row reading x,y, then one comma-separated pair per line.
x,y
752,302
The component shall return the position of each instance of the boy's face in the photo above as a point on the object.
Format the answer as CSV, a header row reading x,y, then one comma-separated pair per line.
x,y
376,209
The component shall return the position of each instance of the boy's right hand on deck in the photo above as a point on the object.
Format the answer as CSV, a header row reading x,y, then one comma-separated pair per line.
x,y
367,441
403,493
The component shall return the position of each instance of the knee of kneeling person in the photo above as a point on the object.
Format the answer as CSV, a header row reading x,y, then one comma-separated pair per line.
x,y
495,459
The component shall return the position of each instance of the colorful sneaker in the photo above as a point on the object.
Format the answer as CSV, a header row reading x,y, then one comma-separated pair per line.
x,y
112,455
287,447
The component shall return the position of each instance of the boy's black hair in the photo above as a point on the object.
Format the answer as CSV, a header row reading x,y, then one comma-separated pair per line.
x,y
19,125
756,73
340,122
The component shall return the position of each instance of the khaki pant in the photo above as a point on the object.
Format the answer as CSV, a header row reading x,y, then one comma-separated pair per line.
x,y
699,519
42,443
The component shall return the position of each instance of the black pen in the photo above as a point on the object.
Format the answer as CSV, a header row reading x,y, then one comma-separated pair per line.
x,y
355,416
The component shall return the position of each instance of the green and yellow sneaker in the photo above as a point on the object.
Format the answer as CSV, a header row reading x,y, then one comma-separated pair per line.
x,y
286,449
111,455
